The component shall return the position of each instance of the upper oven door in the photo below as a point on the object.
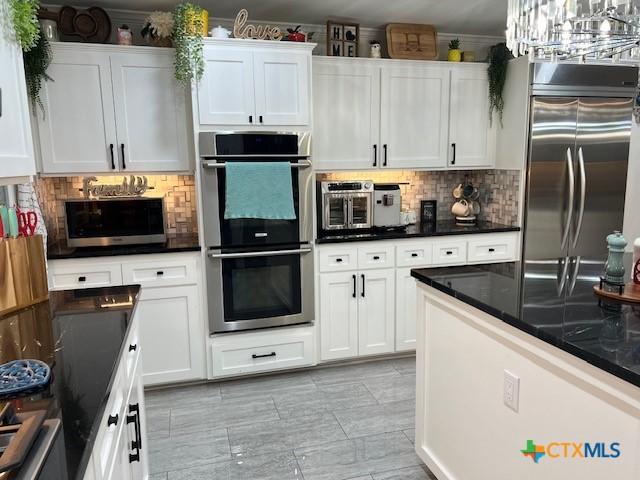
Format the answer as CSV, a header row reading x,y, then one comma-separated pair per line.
x,y
216,149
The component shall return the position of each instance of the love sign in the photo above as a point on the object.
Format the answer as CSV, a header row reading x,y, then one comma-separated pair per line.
x,y
260,32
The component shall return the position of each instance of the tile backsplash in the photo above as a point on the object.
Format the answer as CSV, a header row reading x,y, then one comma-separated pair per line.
x,y
499,189
179,192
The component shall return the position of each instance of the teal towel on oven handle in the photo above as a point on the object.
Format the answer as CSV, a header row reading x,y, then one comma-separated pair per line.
x,y
259,190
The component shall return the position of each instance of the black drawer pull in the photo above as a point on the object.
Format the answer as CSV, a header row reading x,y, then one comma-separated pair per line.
x,y
250,118
491,250
354,286
376,257
363,282
82,279
449,252
272,354
338,260
261,119
112,420
375,155
159,273
414,255
133,348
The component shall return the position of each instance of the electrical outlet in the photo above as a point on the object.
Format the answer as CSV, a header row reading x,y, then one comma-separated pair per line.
x,y
511,393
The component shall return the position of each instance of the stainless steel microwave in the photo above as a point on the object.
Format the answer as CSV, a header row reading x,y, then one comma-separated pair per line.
x,y
115,221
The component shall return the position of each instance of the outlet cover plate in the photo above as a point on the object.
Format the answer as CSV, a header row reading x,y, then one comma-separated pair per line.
x,y
511,391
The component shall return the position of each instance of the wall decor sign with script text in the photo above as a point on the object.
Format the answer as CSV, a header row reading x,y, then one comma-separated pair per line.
x,y
342,39
131,186
259,32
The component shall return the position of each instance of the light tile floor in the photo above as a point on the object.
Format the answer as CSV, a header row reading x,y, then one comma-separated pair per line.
x,y
351,422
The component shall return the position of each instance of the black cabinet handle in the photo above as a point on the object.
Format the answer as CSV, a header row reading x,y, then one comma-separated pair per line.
x,y
384,147
338,260
375,155
449,252
82,279
124,165
260,118
272,354
354,286
136,444
453,160
376,257
414,255
362,275
160,273
250,118
133,348
112,420
491,250
113,162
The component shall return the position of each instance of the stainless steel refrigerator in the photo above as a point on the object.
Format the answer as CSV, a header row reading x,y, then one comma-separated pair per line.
x,y
580,124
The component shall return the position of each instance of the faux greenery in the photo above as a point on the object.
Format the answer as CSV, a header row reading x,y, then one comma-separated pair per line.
x,y
454,44
36,62
499,56
187,38
24,16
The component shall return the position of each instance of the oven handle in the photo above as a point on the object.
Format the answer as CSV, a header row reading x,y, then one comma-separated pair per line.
x,y
213,164
272,253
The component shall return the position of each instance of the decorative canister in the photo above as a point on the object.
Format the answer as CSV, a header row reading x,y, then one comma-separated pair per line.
x,y
49,29
616,244
124,35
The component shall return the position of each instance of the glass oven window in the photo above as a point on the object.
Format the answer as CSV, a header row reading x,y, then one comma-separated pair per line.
x,y
337,212
261,287
360,211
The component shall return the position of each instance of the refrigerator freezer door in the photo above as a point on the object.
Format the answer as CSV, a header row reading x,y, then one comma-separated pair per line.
x,y
549,208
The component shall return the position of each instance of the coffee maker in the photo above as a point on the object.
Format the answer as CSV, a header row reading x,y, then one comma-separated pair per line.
x,y
387,204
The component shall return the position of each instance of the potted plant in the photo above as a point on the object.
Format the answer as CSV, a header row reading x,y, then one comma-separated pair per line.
x,y
189,28
499,56
36,62
454,55
158,28
24,17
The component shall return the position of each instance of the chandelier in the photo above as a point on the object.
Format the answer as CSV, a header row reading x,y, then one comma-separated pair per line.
x,y
574,29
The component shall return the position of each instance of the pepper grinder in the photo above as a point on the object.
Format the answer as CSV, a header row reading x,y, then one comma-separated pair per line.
x,y
616,244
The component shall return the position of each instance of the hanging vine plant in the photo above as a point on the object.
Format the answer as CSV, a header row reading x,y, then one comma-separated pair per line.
x,y
499,56
36,62
188,30
24,16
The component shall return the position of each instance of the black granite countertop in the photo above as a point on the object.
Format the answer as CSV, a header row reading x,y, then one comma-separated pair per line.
x,y
606,335
174,243
80,334
413,231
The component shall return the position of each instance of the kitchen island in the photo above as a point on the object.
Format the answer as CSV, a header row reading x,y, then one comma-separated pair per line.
x,y
492,389
89,340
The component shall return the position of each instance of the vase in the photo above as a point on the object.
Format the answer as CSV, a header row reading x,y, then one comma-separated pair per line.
x,y
454,55
204,15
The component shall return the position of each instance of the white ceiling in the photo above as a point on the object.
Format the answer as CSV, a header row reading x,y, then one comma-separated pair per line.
x,y
480,17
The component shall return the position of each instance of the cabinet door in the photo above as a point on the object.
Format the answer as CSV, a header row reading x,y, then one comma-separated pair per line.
x,y
171,335
406,310
414,119
151,118
376,314
16,147
78,127
282,88
136,419
469,128
338,315
120,468
346,109
226,93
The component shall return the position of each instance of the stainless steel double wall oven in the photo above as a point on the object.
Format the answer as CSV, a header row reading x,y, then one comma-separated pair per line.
x,y
259,272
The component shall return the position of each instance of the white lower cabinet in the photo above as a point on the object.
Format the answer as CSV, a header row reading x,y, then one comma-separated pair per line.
x,y
356,314
406,310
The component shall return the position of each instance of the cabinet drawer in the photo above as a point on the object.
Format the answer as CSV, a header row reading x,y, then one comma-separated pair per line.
x,y
338,259
262,351
113,420
414,254
161,272
449,252
376,256
69,276
492,249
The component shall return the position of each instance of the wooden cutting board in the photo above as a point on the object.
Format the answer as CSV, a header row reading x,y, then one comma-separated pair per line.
x,y
412,41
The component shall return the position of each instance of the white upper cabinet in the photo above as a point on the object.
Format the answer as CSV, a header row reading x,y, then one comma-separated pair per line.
x,y
255,83
16,145
471,138
415,110
397,114
226,95
112,109
151,113
77,130
346,101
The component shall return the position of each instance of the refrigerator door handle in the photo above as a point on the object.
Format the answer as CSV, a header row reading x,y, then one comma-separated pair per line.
x,y
572,181
574,278
562,280
583,194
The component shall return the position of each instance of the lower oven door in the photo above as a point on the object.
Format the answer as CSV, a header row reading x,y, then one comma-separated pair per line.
x,y
248,290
